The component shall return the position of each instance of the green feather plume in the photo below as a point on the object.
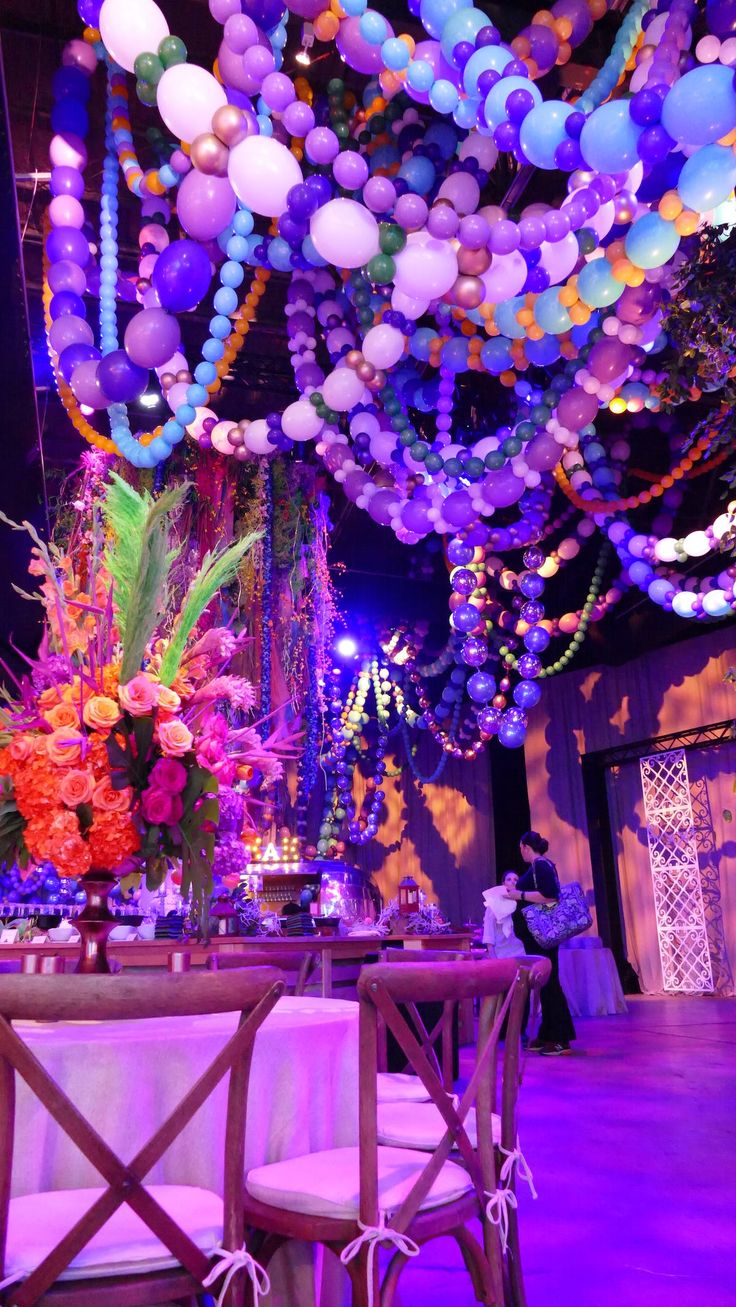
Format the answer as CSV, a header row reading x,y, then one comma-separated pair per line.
x,y
218,569
139,561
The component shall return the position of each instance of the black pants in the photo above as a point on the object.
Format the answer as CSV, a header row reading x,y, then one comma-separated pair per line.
x,y
557,1026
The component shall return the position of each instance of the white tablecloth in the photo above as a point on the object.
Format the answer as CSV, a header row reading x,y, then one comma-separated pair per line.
x,y
591,982
126,1076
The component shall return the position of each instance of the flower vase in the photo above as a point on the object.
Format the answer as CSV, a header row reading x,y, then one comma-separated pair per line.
x,y
95,922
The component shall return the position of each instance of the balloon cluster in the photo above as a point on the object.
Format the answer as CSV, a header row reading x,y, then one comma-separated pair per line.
x,y
403,278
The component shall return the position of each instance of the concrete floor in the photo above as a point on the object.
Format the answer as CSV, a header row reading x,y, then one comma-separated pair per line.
x,y
632,1142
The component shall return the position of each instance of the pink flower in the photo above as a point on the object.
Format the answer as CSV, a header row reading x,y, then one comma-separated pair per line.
x,y
139,697
175,738
169,775
157,807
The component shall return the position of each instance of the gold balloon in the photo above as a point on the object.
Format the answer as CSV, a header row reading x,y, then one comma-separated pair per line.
x,y
473,262
230,125
209,155
354,358
468,292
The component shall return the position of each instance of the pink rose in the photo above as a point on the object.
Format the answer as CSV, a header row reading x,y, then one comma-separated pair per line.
x,y
169,775
157,807
175,738
210,753
139,697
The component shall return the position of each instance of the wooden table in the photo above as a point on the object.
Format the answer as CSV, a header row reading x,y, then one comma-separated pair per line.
x,y
155,954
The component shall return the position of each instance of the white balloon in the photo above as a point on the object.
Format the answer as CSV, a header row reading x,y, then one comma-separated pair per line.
x,y
256,438
505,277
300,421
262,172
344,233
408,304
195,428
187,97
425,266
383,345
131,27
479,147
218,436
342,389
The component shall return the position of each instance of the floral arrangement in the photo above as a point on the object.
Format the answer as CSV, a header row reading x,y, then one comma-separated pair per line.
x,y
114,745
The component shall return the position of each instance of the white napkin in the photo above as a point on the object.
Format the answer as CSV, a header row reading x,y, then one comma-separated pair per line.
x,y
496,900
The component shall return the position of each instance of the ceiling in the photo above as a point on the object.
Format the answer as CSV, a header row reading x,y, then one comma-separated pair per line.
x,y
380,580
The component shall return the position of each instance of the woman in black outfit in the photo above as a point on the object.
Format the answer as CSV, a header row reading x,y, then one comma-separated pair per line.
x,y
540,884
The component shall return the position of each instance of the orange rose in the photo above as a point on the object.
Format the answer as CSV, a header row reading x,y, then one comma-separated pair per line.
x,y
21,748
111,678
108,799
48,698
62,715
182,685
112,839
139,696
101,713
75,788
175,738
64,747
168,700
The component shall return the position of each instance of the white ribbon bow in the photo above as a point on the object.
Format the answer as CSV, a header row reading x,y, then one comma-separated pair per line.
x,y
515,1159
497,1211
372,1236
232,1262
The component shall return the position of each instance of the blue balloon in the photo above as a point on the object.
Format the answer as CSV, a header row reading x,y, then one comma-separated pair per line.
x,y
463,25
490,58
542,353
443,96
435,13
455,354
609,138
505,316
419,174
651,241
701,107
550,315
543,130
707,178
597,287
527,694
496,355
444,137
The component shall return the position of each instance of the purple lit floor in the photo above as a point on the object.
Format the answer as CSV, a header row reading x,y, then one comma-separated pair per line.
x,y
633,1146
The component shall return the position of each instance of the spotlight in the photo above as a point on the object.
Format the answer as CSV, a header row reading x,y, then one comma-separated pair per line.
x,y
346,647
149,399
304,57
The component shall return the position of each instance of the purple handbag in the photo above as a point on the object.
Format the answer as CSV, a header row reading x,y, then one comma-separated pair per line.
x,y
569,916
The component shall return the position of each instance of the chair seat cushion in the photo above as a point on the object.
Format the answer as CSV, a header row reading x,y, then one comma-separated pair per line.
x,y
398,1087
422,1126
328,1183
124,1245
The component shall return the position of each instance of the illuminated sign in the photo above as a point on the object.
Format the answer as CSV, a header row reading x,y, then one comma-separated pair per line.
x,y
281,857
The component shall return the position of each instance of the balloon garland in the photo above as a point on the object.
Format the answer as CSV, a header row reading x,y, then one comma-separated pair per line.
x,y
402,278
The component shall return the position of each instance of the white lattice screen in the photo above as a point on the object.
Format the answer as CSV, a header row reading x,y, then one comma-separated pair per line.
x,y
673,858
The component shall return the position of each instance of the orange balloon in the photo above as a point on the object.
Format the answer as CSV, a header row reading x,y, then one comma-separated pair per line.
x,y
326,26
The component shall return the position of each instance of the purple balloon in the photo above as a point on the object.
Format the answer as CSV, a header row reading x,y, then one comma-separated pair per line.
x,y
415,516
73,355
380,506
576,408
542,453
361,56
70,331
321,145
350,170
354,484
86,385
67,276
638,303
67,181
457,509
609,358
66,304
205,205
465,618
502,488
121,380
298,118
181,276
151,337
481,687
266,13
68,243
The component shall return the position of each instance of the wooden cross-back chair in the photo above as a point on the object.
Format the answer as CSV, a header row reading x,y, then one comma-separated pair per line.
x,y
355,1200
441,1031
158,1241
298,967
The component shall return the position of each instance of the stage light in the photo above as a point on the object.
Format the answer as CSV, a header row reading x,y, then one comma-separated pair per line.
x,y
150,399
304,57
346,647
